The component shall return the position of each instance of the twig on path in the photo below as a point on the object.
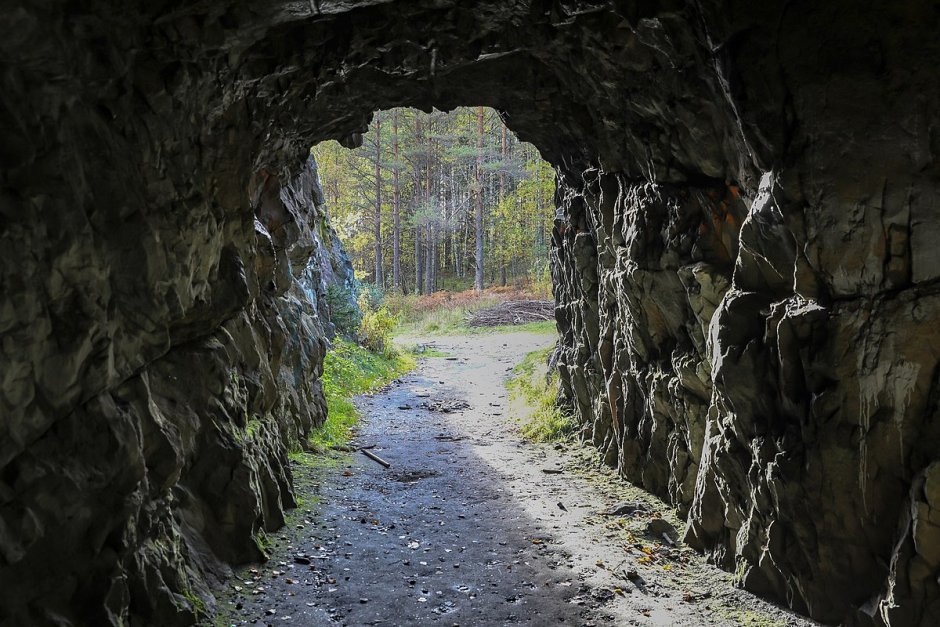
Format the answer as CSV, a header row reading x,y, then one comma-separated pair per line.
x,y
375,457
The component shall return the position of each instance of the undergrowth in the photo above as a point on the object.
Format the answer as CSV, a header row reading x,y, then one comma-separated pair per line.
x,y
349,370
453,322
445,313
543,421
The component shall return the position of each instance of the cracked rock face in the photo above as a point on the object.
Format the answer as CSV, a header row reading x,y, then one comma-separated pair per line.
x,y
129,505
745,267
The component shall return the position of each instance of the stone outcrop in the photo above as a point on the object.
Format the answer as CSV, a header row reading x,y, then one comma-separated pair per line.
x,y
745,264
131,504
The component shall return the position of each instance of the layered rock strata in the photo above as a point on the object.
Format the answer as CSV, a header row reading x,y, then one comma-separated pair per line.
x,y
745,265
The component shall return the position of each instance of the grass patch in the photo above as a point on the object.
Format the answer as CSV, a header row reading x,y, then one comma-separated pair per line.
x,y
448,326
349,370
445,321
445,313
543,420
420,351
434,352
544,327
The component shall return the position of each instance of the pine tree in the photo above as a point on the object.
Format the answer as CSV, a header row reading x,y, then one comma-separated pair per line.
x,y
396,206
379,278
478,216
465,201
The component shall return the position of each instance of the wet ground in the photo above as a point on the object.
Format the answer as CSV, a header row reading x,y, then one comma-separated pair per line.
x,y
469,525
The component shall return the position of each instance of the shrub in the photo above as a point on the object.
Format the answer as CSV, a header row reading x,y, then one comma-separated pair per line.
x,y
402,305
541,285
344,313
375,329
370,296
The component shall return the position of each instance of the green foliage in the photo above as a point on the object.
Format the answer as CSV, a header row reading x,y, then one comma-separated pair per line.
x,y
343,311
263,542
348,370
445,313
402,305
541,285
445,321
252,428
196,603
375,330
438,182
369,297
544,327
545,421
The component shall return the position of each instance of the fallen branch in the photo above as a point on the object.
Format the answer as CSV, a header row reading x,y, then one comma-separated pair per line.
x,y
375,457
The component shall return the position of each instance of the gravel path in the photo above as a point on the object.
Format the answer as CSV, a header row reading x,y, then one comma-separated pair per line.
x,y
471,526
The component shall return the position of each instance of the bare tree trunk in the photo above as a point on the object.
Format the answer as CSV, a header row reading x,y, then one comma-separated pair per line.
x,y
396,208
465,247
419,258
419,262
429,261
478,282
502,196
448,197
379,279
540,233
435,257
429,196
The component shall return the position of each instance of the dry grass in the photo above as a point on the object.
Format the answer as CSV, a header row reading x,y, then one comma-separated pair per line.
x,y
444,311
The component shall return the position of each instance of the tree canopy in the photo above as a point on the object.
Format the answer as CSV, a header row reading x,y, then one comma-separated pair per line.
x,y
440,201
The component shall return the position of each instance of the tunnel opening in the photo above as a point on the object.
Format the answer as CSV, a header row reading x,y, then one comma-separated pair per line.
x,y
405,202
743,265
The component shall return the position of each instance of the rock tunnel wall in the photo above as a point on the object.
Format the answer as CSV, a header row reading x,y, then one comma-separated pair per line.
x,y
745,266
796,429
128,507
761,350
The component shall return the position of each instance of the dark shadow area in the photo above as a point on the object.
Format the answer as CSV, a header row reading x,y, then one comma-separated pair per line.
x,y
434,539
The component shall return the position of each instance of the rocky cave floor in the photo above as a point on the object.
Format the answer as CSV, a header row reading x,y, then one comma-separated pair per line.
x,y
470,525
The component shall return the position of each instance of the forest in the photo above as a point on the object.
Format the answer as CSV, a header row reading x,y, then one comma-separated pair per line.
x,y
441,200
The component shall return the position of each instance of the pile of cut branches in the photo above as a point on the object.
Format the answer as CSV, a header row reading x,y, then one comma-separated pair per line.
x,y
512,312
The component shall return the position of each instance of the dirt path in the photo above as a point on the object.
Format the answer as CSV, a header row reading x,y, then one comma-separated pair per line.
x,y
471,526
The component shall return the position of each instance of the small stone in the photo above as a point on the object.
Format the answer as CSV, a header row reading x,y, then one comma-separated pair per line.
x,y
627,509
658,528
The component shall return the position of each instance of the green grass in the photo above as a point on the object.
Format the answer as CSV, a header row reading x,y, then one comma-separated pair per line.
x,y
349,370
444,321
420,351
452,322
543,420
433,352
545,327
